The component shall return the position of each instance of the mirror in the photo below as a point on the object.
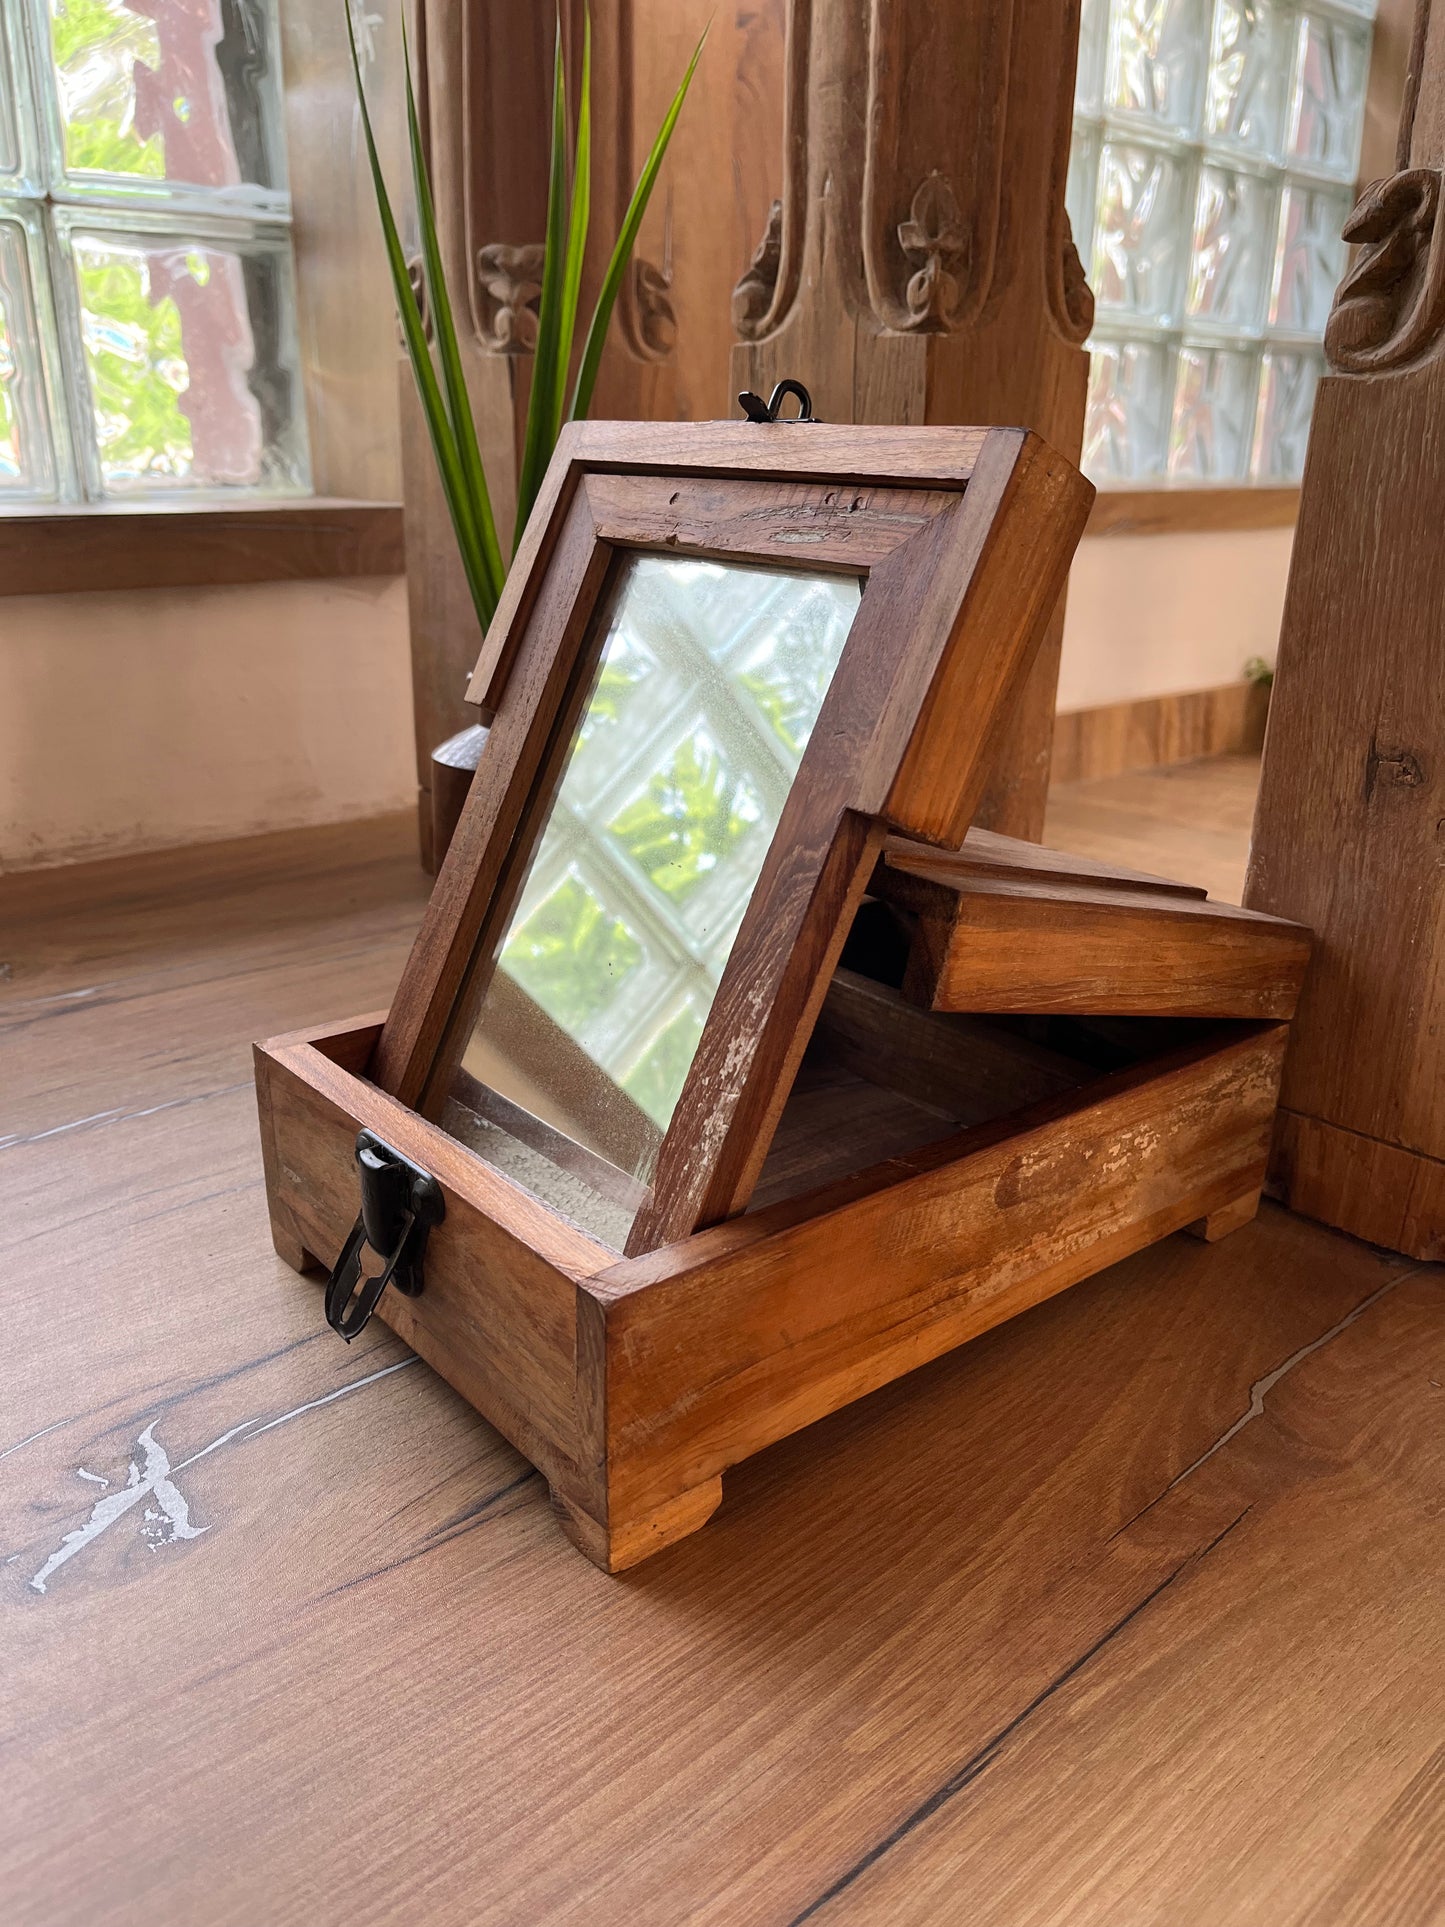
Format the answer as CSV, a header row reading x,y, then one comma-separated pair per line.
x,y
708,685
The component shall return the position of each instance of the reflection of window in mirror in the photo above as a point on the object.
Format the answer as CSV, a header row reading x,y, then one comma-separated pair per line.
x,y
708,686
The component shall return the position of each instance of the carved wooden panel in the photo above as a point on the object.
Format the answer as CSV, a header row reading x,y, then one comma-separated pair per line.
x,y
1350,830
918,264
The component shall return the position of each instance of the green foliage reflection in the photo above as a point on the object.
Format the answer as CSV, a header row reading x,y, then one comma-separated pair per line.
x,y
691,815
656,1080
788,677
9,434
137,367
95,45
571,954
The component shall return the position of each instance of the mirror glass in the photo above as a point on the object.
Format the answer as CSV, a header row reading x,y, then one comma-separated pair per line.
x,y
708,685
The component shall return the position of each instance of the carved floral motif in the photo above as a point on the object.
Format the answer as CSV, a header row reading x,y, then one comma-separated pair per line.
x,y
753,295
417,278
511,280
1390,307
934,237
1077,295
656,319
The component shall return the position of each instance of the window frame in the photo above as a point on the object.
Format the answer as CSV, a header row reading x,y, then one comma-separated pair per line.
x,y
1099,117
57,205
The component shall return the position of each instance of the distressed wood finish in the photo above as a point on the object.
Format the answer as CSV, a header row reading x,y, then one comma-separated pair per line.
x,y
635,1386
1351,818
957,1651
826,453
1005,942
959,584
498,1316
918,266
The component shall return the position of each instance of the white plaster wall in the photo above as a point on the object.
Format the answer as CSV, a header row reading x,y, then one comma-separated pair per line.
x,y
1154,615
134,720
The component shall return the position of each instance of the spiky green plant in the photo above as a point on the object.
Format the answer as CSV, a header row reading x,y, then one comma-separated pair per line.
x,y
444,394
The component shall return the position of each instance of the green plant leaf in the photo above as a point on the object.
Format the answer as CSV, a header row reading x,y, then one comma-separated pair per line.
x,y
479,501
438,426
537,441
578,223
626,239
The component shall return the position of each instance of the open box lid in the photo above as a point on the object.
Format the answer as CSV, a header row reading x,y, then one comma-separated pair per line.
x,y
730,660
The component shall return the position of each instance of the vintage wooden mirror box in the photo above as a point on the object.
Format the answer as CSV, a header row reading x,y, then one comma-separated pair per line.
x,y
730,1075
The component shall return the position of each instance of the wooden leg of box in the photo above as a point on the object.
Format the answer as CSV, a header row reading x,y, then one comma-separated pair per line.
x,y
1229,1217
628,1542
289,1246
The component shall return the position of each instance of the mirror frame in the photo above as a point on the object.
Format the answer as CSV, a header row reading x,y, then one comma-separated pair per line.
x,y
962,538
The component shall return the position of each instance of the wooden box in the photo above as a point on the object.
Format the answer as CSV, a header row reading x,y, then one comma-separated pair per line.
x,y
934,1085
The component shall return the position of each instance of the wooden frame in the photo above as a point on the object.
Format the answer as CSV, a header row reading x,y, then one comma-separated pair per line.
x,y
962,538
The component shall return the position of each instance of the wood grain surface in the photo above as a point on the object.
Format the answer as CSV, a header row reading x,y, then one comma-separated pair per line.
x,y
1009,942
1177,511
1227,720
1129,1611
1192,818
1350,830
46,550
913,120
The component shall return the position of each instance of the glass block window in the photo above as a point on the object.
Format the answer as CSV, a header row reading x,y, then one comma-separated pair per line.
x,y
1212,169
147,310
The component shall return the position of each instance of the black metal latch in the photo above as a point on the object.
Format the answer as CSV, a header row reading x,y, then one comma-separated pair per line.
x,y
399,1205
758,410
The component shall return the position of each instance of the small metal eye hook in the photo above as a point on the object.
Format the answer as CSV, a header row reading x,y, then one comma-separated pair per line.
x,y
758,410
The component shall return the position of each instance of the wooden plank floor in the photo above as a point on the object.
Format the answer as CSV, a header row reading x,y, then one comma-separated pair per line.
x,y
1190,820
1133,1611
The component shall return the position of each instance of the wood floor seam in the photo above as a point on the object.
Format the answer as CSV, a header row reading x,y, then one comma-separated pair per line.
x,y
979,1761
1260,1390
720,1737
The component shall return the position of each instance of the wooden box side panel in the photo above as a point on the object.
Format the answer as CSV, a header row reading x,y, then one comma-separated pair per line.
x,y
498,1315
736,1350
1030,947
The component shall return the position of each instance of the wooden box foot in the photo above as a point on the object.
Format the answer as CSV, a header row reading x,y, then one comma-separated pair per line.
x,y
1229,1217
627,1542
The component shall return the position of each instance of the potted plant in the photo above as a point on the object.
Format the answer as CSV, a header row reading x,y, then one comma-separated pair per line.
x,y
557,395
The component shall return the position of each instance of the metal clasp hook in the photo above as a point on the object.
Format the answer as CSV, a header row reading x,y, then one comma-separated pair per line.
x,y
399,1205
758,410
